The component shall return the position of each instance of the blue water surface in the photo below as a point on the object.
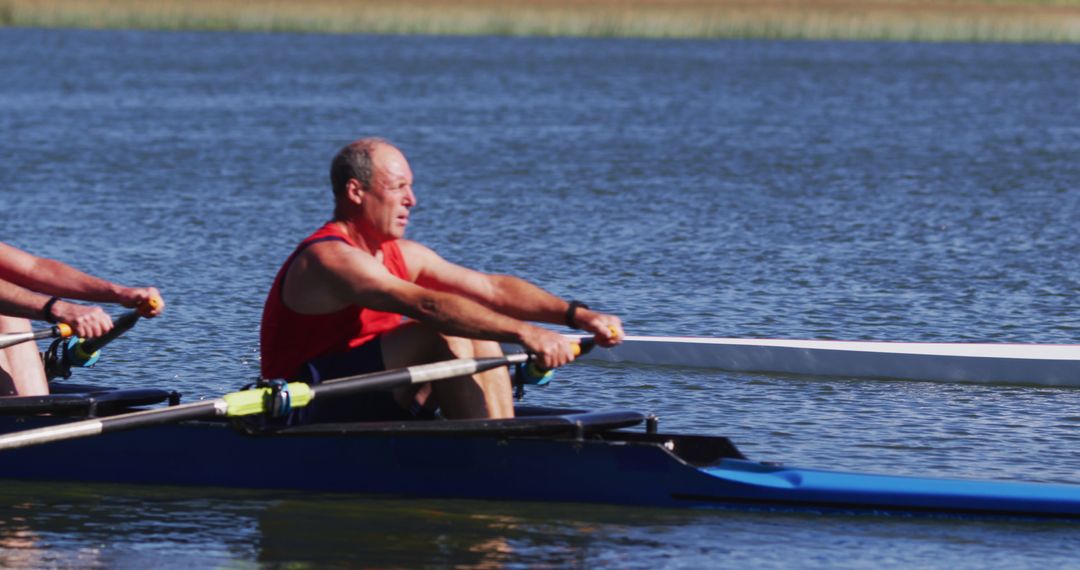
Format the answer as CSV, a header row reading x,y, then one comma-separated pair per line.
x,y
886,191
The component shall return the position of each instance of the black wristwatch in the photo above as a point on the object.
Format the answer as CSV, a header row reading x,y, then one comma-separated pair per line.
x,y
571,313
46,311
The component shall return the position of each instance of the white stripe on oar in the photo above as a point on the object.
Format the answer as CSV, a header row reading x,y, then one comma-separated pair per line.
x,y
450,369
86,428
253,401
57,433
1051,365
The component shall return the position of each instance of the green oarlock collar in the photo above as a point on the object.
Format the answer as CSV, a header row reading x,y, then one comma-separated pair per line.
x,y
253,401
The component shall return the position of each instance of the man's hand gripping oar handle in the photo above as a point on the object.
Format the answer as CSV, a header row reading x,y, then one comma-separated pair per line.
x,y
121,325
63,355
59,330
532,373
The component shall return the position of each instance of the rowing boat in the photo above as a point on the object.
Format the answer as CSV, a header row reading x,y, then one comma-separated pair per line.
x,y
543,455
1036,364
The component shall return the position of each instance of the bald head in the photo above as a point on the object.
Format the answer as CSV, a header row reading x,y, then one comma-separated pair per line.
x,y
355,160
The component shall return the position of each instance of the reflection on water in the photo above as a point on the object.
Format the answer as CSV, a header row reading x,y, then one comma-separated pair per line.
x,y
71,525
109,526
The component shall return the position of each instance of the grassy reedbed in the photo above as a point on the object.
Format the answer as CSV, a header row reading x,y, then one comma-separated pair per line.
x,y
925,20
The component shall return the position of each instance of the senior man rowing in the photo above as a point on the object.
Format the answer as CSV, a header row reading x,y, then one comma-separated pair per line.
x,y
336,307
30,288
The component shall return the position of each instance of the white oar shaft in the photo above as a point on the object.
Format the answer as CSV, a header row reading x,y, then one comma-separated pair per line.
x,y
53,433
11,339
1052,365
453,368
86,428
418,374
15,338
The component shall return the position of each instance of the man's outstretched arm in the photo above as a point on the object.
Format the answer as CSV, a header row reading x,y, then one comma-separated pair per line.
x,y
332,275
508,295
87,322
56,278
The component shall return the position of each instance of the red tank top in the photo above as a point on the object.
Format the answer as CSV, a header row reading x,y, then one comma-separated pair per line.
x,y
289,339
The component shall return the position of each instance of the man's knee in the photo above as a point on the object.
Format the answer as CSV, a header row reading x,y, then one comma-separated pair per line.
x,y
417,343
487,348
14,324
459,347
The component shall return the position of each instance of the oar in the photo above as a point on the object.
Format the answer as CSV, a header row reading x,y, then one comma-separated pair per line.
x,y
60,330
531,373
121,325
259,400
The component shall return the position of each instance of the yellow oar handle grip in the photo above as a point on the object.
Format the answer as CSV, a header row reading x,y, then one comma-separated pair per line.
x,y
64,330
576,349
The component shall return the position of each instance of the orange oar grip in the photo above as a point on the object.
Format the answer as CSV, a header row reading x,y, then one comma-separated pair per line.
x,y
64,330
148,306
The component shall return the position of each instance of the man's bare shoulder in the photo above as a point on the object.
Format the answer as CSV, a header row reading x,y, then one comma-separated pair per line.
x,y
329,275
338,257
409,246
417,254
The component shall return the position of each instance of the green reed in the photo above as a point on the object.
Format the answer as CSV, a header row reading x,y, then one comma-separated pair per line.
x,y
946,20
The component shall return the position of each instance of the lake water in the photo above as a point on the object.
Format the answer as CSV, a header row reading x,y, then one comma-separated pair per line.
x,y
716,188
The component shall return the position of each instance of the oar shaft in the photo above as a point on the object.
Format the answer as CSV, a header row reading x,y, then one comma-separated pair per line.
x,y
87,428
172,414
54,433
52,332
413,375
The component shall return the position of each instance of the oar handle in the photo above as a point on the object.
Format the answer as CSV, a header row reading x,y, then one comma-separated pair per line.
x,y
532,373
121,325
63,356
148,306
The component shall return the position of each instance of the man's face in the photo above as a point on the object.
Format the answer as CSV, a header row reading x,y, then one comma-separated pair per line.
x,y
387,202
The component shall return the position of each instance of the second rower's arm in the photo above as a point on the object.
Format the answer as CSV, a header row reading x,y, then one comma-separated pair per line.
x,y
53,277
87,322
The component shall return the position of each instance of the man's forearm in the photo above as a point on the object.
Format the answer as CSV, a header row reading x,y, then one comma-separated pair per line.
x,y
522,300
19,302
57,278
460,316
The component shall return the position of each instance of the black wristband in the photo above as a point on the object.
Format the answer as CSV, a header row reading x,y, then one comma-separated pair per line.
x,y
46,311
571,313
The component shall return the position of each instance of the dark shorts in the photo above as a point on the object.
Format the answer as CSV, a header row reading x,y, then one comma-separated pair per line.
x,y
375,406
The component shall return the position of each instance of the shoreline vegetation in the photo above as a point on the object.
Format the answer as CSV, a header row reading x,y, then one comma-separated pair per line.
x,y
1054,21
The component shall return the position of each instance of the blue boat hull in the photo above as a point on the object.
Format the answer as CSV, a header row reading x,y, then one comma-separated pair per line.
x,y
600,466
